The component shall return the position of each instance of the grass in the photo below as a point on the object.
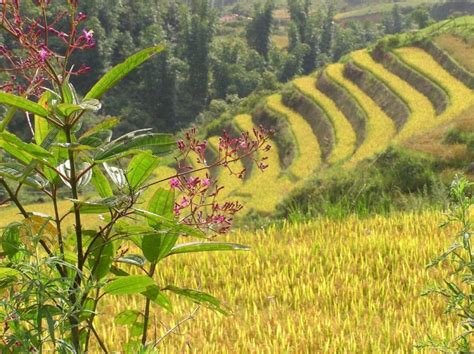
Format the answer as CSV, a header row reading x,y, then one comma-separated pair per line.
x,y
460,96
308,150
459,49
345,137
380,129
422,115
349,286
263,190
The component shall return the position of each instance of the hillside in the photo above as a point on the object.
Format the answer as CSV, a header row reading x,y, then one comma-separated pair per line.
x,y
407,89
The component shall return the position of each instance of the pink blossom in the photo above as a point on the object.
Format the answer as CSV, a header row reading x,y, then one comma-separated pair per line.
x,y
181,145
43,54
89,36
206,182
174,183
184,202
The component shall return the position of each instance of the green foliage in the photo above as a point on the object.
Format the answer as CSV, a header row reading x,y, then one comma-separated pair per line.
x,y
456,289
259,30
53,275
394,180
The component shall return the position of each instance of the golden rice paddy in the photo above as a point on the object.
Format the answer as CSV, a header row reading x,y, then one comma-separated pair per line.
x,y
380,129
308,150
345,136
349,286
422,115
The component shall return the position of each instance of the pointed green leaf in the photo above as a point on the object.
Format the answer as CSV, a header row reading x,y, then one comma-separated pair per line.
x,y
11,242
23,104
198,297
101,257
206,247
117,73
162,203
101,183
33,150
16,172
155,143
140,168
156,247
155,294
42,126
133,259
128,285
127,317
107,124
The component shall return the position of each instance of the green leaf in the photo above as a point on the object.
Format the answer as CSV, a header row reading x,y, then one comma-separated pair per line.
x,y
21,150
23,104
156,247
11,242
8,272
131,144
140,168
107,124
162,203
206,247
117,73
17,171
128,285
118,272
42,126
66,109
102,205
101,257
158,297
198,297
101,183
133,259
127,317
97,139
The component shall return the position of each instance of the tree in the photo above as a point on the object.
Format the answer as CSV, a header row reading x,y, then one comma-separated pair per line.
x,y
259,30
327,31
397,20
198,35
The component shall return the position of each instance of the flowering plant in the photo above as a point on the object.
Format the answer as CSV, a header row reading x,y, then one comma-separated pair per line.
x,y
53,274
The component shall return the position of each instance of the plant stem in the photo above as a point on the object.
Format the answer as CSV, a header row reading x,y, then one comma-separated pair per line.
x,y
146,314
80,253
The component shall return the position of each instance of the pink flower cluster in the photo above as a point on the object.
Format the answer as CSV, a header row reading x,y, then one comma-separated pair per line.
x,y
198,203
31,66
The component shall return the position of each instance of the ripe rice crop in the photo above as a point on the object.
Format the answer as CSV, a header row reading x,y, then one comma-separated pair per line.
x,y
460,96
350,286
422,115
263,190
308,151
343,131
380,129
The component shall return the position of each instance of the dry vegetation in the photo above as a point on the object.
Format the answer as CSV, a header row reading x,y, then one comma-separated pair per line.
x,y
460,49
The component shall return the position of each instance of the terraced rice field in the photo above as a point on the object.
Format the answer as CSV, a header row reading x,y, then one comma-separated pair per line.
x,y
380,128
422,115
345,136
228,177
350,286
308,151
262,191
460,96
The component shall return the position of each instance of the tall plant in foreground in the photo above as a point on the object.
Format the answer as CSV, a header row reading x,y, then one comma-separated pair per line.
x,y
458,287
57,268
